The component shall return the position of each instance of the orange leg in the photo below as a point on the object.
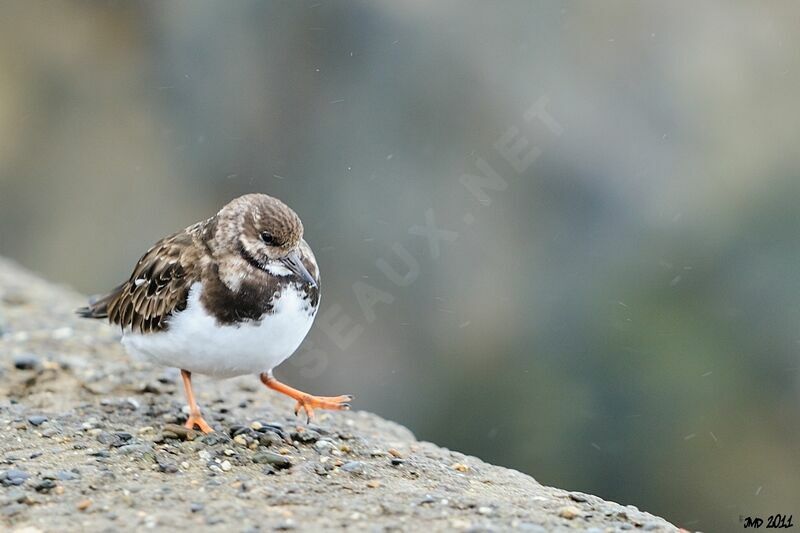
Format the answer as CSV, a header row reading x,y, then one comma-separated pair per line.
x,y
195,419
307,402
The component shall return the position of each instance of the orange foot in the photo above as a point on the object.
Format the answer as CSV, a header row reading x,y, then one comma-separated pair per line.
x,y
307,402
197,420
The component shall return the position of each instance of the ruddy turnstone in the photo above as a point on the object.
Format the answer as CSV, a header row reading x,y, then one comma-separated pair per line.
x,y
233,295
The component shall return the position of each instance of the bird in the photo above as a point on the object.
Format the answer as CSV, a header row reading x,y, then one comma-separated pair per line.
x,y
232,295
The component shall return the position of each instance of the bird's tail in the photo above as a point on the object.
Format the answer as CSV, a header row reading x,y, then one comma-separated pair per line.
x,y
98,306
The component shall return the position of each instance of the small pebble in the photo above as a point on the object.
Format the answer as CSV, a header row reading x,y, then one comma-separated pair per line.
x,y
123,436
132,403
578,497
26,362
105,437
226,466
278,461
323,469
84,504
151,388
212,439
460,467
286,525
306,436
129,449
15,296
13,477
324,446
18,496
427,500
269,439
61,334
355,467
100,453
174,431
165,465
569,512
238,430
67,475
373,483
45,486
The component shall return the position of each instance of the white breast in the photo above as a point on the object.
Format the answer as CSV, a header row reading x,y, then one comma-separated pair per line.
x,y
195,341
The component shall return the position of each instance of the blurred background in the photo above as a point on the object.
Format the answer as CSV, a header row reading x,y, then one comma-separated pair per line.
x,y
613,310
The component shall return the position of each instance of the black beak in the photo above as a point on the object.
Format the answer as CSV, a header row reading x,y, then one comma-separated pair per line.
x,y
295,264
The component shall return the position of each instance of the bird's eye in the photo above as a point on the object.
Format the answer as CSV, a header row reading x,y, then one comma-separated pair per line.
x,y
267,238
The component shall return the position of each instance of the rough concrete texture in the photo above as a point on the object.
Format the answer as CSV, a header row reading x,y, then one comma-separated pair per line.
x,y
86,445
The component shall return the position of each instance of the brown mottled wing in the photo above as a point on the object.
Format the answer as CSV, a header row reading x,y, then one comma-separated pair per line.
x,y
158,287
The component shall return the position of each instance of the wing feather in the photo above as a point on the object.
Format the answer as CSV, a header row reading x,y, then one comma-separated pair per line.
x,y
157,288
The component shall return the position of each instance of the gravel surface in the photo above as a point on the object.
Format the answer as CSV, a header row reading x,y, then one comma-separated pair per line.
x,y
92,441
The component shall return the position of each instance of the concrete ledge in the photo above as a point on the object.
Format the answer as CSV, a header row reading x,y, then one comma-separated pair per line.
x,y
86,445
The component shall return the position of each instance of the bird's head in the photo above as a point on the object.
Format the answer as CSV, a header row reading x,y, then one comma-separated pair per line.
x,y
266,233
